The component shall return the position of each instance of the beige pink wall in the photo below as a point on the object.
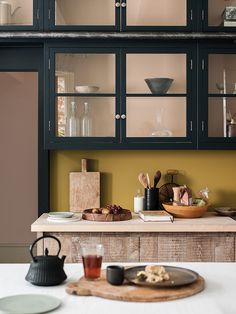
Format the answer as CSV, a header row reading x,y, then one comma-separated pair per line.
x,y
19,156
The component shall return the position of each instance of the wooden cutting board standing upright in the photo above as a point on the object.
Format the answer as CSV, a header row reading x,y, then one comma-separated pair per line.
x,y
84,189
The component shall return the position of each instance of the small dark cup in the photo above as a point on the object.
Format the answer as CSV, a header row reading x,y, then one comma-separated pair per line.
x,y
115,275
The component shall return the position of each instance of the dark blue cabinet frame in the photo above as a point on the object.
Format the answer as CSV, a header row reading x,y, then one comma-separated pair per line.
x,y
38,18
120,20
49,13
204,141
191,20
120,141
203,20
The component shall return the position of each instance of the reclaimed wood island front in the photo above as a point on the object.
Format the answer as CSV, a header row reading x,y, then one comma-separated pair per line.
x,y
207,239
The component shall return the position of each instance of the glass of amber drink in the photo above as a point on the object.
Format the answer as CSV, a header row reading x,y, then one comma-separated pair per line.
x,y
92,255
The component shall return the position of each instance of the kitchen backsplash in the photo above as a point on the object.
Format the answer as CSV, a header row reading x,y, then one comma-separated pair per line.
x,y
120,169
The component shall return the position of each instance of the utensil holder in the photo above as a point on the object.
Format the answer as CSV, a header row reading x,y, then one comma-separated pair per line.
x,y
151,199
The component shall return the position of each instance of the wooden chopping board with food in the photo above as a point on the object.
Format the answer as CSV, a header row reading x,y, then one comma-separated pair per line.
x,y
170,283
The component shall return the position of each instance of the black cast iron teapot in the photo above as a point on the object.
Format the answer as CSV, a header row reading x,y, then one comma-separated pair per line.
x,y
46,270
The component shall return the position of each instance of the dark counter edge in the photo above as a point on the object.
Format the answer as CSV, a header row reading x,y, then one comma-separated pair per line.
x,y
113,35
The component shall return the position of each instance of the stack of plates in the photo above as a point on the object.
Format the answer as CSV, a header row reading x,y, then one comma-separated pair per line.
x,y
62,217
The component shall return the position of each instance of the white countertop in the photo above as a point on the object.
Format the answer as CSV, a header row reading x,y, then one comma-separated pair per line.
x,y
208,223
218,297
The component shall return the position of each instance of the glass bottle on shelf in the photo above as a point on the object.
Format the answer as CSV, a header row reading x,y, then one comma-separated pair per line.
x,y
74,124
160,130
86,121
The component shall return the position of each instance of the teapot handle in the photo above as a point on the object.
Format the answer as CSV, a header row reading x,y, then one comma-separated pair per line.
x,y
40,238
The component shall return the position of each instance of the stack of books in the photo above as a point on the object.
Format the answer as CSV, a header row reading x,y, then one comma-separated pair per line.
x,y
156,215
229,17
229,23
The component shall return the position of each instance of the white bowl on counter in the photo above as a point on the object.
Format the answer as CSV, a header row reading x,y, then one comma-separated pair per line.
x,y
86,89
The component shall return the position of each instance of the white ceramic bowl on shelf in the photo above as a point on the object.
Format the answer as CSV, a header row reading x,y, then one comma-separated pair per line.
x,y
86,89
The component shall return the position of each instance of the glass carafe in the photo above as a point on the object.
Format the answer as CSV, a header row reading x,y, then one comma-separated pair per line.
x,y
74,124
86,121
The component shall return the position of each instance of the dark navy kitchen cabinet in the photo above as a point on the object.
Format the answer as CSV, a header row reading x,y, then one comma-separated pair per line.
x,y
218,15
130,97
121,15
21,15
217,96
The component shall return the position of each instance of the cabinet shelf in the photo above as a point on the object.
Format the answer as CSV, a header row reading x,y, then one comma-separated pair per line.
x,y
221,95
84,95
155,95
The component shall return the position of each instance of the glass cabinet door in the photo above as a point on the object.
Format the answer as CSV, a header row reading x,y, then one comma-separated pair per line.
x,y
157,14
156,97
20,15
121,15
84,14
222,95
85,95
219,15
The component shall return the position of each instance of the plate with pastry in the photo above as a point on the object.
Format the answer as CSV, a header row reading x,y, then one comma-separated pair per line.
x,y
160,276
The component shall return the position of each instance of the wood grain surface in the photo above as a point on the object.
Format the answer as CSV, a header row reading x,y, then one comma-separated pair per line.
x,y
147,247
101,288
84,189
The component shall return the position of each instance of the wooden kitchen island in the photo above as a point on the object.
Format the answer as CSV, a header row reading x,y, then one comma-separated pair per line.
x,y
207,239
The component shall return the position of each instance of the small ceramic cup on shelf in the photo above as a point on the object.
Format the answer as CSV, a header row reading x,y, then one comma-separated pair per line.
x,y
115,274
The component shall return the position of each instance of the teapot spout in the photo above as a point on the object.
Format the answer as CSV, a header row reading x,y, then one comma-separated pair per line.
x,y
14,11
63,259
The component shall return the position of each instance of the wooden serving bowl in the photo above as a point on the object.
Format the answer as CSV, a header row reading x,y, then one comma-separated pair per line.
x,y
88,215
185,211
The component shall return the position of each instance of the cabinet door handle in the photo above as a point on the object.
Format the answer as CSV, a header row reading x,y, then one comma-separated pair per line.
x,y
123,116
203,126
117,116
123,4
117,4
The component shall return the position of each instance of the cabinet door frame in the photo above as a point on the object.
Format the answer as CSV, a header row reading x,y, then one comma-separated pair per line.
x,y
49,12
51,141
191,18
188,142
204,21
38,20
205,142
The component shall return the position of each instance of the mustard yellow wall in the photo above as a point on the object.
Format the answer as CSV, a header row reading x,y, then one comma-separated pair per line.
x,y
120,169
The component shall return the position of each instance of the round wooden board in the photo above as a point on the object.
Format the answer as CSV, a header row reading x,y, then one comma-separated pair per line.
x,y
88,215
101,288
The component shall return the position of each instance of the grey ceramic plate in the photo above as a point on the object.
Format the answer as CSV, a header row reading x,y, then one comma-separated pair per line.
x,y
58,215
178,277
28,304
226,211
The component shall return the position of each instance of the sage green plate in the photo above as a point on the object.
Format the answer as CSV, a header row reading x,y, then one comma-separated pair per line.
x,y
28,304
60,215
178,277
